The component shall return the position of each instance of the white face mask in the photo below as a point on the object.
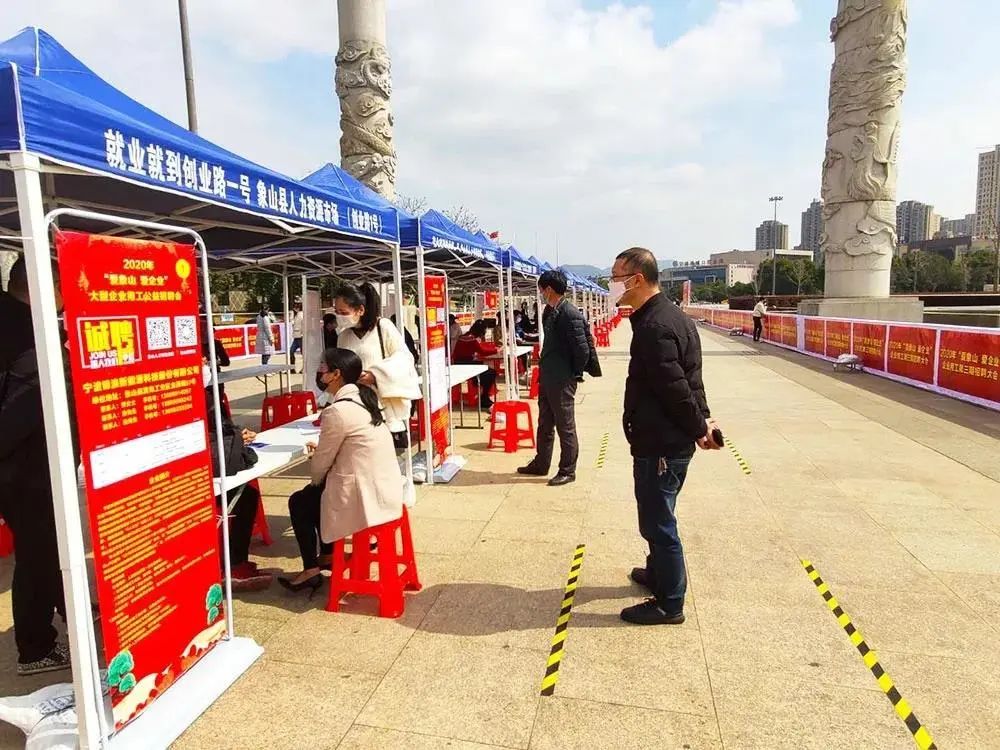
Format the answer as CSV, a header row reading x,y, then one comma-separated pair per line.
x,y
206,375
347,321
616,290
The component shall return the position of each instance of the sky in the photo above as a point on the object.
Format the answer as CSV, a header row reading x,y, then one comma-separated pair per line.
x,y
576,128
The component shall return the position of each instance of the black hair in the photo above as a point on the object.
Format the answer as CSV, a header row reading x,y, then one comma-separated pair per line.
x,y
478,329
641,261
329,318
264,309
452,319
349,365
554,280
365,296
18,278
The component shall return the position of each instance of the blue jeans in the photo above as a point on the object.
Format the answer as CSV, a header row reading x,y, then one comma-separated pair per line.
x,y
656,496
295,347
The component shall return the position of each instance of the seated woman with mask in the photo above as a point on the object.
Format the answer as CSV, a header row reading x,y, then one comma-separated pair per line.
x,y
356,482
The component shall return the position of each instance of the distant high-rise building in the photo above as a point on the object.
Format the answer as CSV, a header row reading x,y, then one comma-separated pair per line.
x,y
772,235
915,222
812,228
988,194
963,227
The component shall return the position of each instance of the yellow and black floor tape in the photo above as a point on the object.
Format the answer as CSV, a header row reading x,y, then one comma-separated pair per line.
x,y
920,734
744,466
562,624
602,454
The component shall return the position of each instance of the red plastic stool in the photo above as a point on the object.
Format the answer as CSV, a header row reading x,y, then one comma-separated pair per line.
x,y
510,432
351,574
6,539
260,527
533,388
275,411
301,404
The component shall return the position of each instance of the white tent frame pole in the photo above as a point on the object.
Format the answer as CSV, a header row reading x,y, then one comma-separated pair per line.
x,y
397,281
425,368
513,386
62,463
286,333
501,294
448,343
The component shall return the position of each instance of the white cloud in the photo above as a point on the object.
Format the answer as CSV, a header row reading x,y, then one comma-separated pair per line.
x,y
541,115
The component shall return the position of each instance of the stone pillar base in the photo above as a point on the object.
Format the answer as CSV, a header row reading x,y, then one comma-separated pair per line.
x,y
900,309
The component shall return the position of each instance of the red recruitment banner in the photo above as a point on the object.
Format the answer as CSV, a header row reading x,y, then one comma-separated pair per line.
x,y
970,363
491,300
434,299
772,328
132,317
234,339
440,403
789,328
869,344
277,335
838,338
815,335
911,352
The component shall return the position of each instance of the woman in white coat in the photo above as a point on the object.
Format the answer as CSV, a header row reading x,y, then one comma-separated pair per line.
x,y
387,364
265,334
356,482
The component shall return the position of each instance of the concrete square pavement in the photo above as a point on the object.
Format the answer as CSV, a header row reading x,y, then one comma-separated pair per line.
x,y
874,486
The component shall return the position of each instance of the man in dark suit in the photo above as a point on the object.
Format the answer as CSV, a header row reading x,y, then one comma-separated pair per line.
x,y
564,358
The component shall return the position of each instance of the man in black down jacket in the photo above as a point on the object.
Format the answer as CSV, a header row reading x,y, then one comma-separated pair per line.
x,y
25,489
666,414
565,357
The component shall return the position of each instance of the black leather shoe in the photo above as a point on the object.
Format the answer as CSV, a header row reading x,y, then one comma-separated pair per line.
x,y
649,613
642,577
532,471
560,479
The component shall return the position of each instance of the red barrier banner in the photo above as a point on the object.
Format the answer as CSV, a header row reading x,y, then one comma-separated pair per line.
x,y
278,336
869,344
815,335
911,352
234,339
788,326
491,300
838,338
772,329
132,318
970,364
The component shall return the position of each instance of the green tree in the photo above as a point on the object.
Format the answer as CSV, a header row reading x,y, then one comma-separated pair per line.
x,y
918,272
786,283
739,289
977,269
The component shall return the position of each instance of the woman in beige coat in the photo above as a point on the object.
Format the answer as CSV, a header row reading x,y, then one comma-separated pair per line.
x,y
356,482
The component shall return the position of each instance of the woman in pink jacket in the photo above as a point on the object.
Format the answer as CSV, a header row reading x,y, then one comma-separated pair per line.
x,y
356,482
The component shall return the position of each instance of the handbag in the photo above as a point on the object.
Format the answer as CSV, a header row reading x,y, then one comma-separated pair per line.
x,y
400,440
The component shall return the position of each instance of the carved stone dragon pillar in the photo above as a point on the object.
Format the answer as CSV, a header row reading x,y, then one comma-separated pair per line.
x,y
364,86
859,172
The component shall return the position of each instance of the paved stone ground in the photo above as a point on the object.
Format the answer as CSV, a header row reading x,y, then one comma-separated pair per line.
x,y
893,495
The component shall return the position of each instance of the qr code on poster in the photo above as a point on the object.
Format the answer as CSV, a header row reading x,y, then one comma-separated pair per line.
x,y
185,330
158,334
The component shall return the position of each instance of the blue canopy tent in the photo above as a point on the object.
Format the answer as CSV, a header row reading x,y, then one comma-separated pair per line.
x,y
70,140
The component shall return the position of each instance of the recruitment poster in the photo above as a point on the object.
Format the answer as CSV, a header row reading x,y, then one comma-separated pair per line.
x,y
869,344
969,363
911,352
436,302
132,322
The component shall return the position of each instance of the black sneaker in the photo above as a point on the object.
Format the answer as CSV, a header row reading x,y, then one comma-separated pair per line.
x,y
649,613
532,471
642,577
57,660
560,479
